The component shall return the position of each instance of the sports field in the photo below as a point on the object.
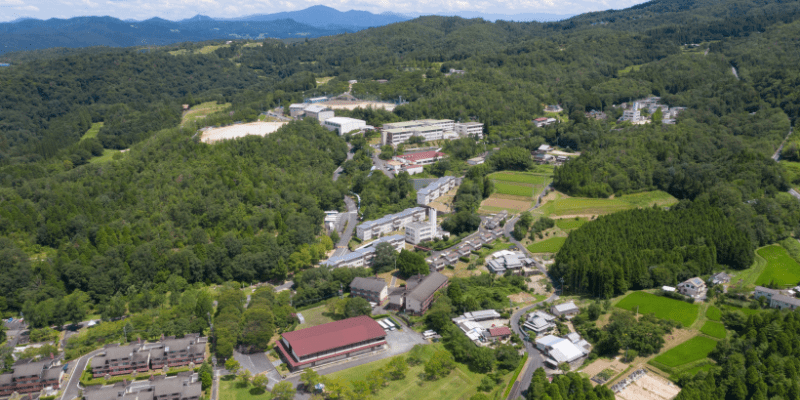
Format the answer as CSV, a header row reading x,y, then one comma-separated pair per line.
x,y
781,268
591,206
714,329
662,307
691,350
552,245
461,383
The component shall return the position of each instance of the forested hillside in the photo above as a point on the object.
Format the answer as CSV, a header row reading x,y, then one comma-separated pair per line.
x,y
251,209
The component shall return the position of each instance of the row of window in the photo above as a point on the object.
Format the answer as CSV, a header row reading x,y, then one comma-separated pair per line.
x,y
340,349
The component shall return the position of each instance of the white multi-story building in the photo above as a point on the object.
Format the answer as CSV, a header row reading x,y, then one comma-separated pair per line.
x,y
469,129
363,256
344,125
389,223
436,189
297,110
418,232
429,129
320,113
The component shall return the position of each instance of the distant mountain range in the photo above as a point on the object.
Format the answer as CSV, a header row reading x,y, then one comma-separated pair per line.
x,y
31,34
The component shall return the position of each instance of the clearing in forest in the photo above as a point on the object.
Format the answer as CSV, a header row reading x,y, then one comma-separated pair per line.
x,y
93,131
240,130
202,110
662,307
563,205
517,183
781,268
649,387
696,348
566,224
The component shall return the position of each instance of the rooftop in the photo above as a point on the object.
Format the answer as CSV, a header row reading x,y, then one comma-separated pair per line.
x,y
428,286
570,306
786,299
344,120
421,156
388,218
368,284
333,335
501,331
436,184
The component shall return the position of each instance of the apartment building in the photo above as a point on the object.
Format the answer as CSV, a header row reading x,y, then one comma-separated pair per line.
x,y
184,386
363,256
389,223
469,129
437,189
31,377
142,357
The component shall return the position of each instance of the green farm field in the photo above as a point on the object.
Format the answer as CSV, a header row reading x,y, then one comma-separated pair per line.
x,y
552,245
591,206
570,223
514,189
781,268
521,177
460,384
713,313
714,329
662,307
691,350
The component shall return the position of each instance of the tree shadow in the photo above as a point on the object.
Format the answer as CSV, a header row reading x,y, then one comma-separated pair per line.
x,y
257,391
228,377
241,385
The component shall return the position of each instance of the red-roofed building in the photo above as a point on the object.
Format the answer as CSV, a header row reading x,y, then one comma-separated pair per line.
x,y
422,158
501,333
330,342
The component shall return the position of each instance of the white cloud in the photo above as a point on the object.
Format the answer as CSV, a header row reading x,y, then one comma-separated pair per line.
x,y
11,3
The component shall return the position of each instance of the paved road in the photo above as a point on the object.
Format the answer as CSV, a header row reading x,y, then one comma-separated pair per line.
x,y
536,360
736,74
777,155
381,165
287,285
351,219
794,193
258,363
349,157
76,368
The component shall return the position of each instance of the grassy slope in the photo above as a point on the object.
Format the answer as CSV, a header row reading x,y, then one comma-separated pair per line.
x,y
662,307
570,223
552,245
93,131
591,206
691,350
107,156
781,268
460,384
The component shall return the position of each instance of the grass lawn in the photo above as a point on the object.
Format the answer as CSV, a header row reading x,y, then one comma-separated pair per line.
x,y
714,329
570,223
591,206
107,156
693,349
315,316
232,389
552,245
496,246
713,313
93,131
749,276
662,307
781,268
460,384
628,69
201,110
514,189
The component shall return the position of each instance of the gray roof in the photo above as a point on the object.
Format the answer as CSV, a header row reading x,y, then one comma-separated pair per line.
x,y
368,284
5,379
428,286
766,290
696,281
421,183
482,314
360,252
391,217
31,368
786,299
436,184
570,306
171,385
495,266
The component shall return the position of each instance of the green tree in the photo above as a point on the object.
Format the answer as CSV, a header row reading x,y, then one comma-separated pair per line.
x,y
357,306
244,376
310,379
260,381
205,373
411,263
439,365
385,258
397,368
232,366
259,326
376,379
283,391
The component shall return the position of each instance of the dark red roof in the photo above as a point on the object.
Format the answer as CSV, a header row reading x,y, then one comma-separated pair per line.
x,y
501,331
333,334
422,156
540,119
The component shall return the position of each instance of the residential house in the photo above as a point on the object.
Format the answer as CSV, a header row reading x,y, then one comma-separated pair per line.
x,y
693,287
783,302
719,278
499,333
539,322
30,377
553,108
419,299
560,350
565,309
372,289
184,386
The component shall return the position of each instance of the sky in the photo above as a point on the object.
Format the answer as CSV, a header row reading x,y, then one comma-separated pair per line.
x,y
180,9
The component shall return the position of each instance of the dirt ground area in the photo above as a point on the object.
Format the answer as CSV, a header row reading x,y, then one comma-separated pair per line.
x,y
241,130
352,105
601,364
537,286
650,387
521,297
505,203
573,216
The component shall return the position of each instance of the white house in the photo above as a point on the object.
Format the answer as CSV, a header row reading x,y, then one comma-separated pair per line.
x,y
693,287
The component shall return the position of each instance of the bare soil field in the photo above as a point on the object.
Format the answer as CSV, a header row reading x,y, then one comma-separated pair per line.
x,y
498,202
521,297
650,387
236,131
352,105
601,364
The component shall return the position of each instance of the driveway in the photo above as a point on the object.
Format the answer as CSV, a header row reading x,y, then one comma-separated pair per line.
x,y
258,363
